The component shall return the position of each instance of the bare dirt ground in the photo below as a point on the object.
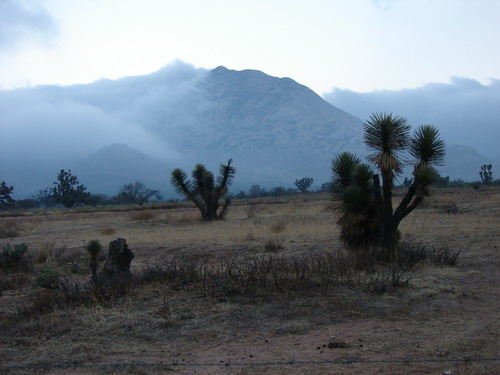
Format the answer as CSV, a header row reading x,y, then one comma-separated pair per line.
x,y
444,313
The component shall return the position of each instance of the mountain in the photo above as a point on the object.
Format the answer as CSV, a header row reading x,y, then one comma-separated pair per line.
x,y
464,162
275,129
116,165
113,132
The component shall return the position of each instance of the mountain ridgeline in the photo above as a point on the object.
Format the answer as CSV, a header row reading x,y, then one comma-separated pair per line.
x,y
140,128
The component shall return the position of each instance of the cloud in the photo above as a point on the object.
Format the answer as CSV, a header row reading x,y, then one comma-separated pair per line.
x,y
465,111
47,128
24,20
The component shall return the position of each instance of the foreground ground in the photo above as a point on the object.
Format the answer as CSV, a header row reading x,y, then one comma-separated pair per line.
x,y
445,312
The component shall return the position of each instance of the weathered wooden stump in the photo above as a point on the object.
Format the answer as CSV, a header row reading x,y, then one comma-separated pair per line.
x,y
119,258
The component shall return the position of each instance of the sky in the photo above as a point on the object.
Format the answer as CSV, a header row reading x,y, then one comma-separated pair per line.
x,y
357,45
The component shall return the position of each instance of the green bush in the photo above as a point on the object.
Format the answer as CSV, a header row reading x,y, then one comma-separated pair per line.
x,y
11,257
48,278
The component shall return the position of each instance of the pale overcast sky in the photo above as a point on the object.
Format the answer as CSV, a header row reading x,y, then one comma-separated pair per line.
x,y
360,45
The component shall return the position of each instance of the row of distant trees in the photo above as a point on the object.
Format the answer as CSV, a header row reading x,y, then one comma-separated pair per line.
x,y
68,192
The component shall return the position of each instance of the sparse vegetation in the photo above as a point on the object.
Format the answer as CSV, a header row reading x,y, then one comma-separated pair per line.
x,y
11,257
68,191
219,284
106,231
204,192
136,193
303,184
47,278
274,245
143,215
5,192
486,174
9,228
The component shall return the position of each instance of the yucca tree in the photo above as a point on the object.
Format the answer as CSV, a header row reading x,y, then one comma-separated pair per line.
x,y
363,203
205,193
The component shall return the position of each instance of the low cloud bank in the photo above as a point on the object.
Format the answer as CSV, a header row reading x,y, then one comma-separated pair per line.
x,y
465,111
47,128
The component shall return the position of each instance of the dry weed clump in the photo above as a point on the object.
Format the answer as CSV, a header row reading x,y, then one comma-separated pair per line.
x,y
145,215
251,210
274,245
263,275
106,231
278,227
44,253
411,253
9,228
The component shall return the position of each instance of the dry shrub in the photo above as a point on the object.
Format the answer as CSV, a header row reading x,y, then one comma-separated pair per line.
x,y
107,231
413,253
278,227
144,215
269,274
44,253
74,260
9,228
251,210
446,208
274,245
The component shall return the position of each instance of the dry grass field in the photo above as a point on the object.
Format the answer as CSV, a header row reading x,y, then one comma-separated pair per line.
x,y
444,311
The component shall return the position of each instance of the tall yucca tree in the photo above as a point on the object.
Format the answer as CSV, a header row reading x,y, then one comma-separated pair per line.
x,y
206,193
364,209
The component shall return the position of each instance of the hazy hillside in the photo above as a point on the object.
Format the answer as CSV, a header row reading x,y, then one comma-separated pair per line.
x,y
275,129
139,128
113,166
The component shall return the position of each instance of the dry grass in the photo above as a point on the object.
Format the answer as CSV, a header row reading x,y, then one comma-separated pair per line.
x,y
106,231
145,216
9,228
206,316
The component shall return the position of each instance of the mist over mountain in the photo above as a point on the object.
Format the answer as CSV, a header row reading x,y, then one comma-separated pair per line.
x,y
113,132
466,111
275,129
116,165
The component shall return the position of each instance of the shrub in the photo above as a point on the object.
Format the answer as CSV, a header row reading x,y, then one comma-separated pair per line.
x,y
274,245
11,257
9,229
48,278
278,227
251,210
44,253
145,215
107,231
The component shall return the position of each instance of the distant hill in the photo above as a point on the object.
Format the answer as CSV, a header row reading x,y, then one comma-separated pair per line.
x,y
116,165
110,133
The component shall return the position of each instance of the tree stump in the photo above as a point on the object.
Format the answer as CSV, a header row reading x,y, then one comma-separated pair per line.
x,y
119,258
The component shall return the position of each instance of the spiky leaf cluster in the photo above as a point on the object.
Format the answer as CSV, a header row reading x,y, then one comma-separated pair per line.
x,y
204,191
364,207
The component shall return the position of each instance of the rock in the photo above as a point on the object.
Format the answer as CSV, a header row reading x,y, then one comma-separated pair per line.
x,y
119,257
